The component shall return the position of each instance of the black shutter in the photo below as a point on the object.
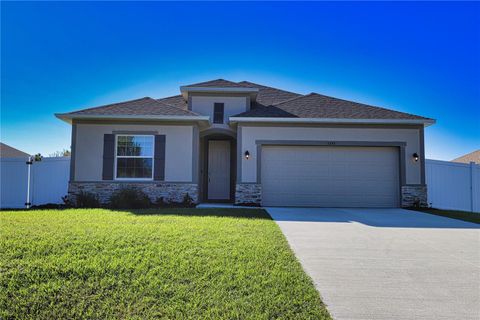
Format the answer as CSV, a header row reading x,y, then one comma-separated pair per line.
x,y
108,156
159,158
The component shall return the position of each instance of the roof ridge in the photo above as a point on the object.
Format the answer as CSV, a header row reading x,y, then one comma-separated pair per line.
x,y
209,82
177,95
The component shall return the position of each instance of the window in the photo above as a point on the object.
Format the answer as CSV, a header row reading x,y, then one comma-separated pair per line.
x,y
134,157
218,112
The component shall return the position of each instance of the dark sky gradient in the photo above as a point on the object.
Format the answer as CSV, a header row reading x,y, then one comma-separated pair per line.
x,y
422,58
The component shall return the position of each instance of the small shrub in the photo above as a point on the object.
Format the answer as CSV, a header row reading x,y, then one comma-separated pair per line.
x,y
161,203
55,206
416,203
187,201
128,198
86,200
67,201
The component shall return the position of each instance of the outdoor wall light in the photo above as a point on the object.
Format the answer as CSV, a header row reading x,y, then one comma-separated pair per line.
x,y
247,155
415,157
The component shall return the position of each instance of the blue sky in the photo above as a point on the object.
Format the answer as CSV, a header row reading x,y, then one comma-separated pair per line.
x,y
422,58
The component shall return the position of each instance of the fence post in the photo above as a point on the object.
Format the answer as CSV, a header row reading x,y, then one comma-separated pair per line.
x,y
472,186
29,163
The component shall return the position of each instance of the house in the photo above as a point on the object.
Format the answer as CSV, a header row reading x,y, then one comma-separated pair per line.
x,y
469,157
7,151
245,143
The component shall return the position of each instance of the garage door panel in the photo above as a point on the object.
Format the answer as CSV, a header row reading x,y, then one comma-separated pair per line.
x,y
330,176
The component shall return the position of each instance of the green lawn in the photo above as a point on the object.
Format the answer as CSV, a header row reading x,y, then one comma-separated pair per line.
x,y
460,215
169,263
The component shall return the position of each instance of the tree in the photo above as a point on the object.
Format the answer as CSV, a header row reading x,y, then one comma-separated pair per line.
x,y
63,153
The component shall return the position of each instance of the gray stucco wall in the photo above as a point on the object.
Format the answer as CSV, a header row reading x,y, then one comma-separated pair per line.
x,y
250,134
88,151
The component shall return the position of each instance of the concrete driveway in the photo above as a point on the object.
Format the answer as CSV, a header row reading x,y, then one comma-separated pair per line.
x,y
387,263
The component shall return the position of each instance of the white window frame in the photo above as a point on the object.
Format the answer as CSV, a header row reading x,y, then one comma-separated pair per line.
x,y
152,157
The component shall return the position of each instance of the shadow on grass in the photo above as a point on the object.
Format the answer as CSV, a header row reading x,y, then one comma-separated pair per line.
x,y
203,212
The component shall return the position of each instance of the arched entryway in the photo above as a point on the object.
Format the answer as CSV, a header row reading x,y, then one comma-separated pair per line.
x,y
217,176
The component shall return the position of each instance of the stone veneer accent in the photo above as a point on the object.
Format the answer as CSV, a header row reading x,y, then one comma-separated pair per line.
x,y
413,195
171,192
248,193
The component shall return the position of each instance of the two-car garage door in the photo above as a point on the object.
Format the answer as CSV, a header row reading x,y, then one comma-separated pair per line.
x,y
327,176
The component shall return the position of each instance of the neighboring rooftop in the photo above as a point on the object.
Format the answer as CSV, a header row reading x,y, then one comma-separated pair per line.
x,y
470,157
7,151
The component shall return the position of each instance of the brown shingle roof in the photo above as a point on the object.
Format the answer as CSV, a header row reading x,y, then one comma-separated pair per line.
x,y
175,101
315,105
143,106
267,95
470,157
270,102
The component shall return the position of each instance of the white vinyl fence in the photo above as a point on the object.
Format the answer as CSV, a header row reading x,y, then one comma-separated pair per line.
x,y
454,186
451,185
48,181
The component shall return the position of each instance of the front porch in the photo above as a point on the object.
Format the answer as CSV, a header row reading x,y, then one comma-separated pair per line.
x,y
217,166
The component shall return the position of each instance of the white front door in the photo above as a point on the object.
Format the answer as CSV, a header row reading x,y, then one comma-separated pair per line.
x,y
218,170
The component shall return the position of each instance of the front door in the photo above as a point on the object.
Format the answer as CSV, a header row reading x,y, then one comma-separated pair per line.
x,y
218,170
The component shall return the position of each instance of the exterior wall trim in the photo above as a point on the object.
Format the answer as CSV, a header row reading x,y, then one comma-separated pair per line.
x,y
219,94
135,132
425,122
69,118
332,125
400,144
73,151
217,131
422,155
239,154
195,154
135,122
331,143
135,182
189,103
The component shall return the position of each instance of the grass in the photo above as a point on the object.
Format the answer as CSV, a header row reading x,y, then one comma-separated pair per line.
x,y
162,264
460,215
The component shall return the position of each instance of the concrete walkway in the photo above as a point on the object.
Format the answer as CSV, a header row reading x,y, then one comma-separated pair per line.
x,y
387,263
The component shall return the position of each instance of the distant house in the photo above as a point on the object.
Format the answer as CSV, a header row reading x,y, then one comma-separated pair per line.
x,y
469,157
10,152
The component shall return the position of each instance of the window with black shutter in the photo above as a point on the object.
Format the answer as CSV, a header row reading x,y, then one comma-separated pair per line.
x,y
218,112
